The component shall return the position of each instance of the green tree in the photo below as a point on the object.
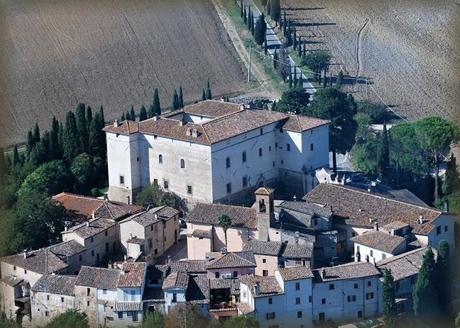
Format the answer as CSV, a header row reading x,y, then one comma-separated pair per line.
x,y
444,276
241,322
436,135
36,134
153,320
293,101
39,221
82,169
451,181
208,91
275,10
7,323
384,155
318,61
70,145
388,300
154,195
181,98
55,146
82,128
175,101
339,81
336,106
30,143
123,117
97,141
457,321
225,222
155,108
275,60
132,114
425,293
245,15
142,113
203,95
284,66
367,148
89,116
260,30
50,178
16,157
69,319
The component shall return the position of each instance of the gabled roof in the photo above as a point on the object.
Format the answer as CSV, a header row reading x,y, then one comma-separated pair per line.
x,y
91,227
296,273
382,241
176,280
153,215
360,208
299,251
36,261
300,123
209,214
231,260
261,247
198,290
353,270
127,275
212,108
67,248
55,284
131,274
404,265
262,286
307,208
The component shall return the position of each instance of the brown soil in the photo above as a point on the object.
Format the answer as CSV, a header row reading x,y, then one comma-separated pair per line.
x,y
111,53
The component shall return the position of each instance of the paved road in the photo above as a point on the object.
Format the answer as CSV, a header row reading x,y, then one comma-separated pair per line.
x,y
273,43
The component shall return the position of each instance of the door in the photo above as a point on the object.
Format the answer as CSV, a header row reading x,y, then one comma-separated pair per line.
x,y
322,317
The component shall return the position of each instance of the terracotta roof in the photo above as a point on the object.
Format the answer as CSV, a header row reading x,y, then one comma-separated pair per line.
x,y
396,225
353,270
232,260
264,286
307,208
404,265
175,129
101,278
264,191
125,127
153,215
210,213
67,248
360,208
263,247
198,290
293,250
91,228
300,123
295,273
55,284
189,266
86,206
212,108
176,280
383,241
132,274
35,261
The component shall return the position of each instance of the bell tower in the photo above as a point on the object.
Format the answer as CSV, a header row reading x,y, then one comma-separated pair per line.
x,y
265,211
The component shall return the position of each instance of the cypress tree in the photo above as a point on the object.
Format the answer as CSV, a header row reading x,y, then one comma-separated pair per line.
x,y
339,81
175,101
269,7
384,160
82,127
30,143
97,142
181,98
155,109
275,60
299,48
295,77
241,8
208,91
61,139
89,116
244,15
388,300
444,278
294,38
102,118
249,18
275,10
265,47
128,116
16,157
260,30
55,147
425,293
132,114
123,117
3,166
290,78
36,134
46,146
301,80
142,114
304,52
203,95
70,138
252,24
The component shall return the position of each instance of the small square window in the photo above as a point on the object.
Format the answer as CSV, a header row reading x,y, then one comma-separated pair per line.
x,y
297,286
355,286
106,232
122,180
260,152
265,273
120,315
104,291
445,228
244,157
270,300
62,299
369,283
299,314
323,301
189,190
47,297
229,188
245,181
264,260
288,147
47,313
297,300
331,286
269,148
165,184
438,230
309,299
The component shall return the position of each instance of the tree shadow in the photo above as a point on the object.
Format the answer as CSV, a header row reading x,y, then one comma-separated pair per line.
x,y
314,24
303,8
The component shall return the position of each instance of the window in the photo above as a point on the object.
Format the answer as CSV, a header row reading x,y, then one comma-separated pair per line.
x,y
309,299
311,147
47,297
182,163
297,286
174,298
88,291
155,251
371,252
276,145
244,157
273,163
106,247
135,316
235,274
227,162
189,190
260,152
229,188
120,315
270,316
151,227
323,301
360,314
282,162
165,184
351,298
438,230
261,131
270,300
106,232
92,253
14,268
297,300
47,313
299,314
355,286
331,286
104,291
245,181
264,260
122,180
265,273
87,303
369,296
160,159
369,283
384,256
92,239
217,274
62,299
288,147
445,228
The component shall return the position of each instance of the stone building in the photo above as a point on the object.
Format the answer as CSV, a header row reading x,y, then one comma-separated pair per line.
x,y
215,151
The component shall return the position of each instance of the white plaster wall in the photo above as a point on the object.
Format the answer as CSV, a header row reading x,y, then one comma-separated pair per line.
x,y
196,247
29,276
365,251
443,221
271,264
54,306
180,297
129,228
319,157
262,307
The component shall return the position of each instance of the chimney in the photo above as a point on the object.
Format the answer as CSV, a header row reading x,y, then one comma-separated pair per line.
x,y
323,273
168,260
446,206
257,288
294,198
115,123
87,223
194,133
25,253
155,118
376,226
125,257
392,232
181,122
296,237
420,219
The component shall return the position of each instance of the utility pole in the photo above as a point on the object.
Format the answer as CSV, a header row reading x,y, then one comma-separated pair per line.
x,y
249,66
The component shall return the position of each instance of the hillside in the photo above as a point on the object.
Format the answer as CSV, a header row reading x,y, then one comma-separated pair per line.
x,y
111,53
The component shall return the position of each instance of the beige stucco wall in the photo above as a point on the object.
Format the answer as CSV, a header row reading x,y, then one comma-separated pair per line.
x,y
7,297
41,306
27,275
271,264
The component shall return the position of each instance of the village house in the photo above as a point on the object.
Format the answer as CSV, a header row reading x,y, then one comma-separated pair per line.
x,y
229,265
50,296
346,292
267,255
356,211
215,151
149,233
